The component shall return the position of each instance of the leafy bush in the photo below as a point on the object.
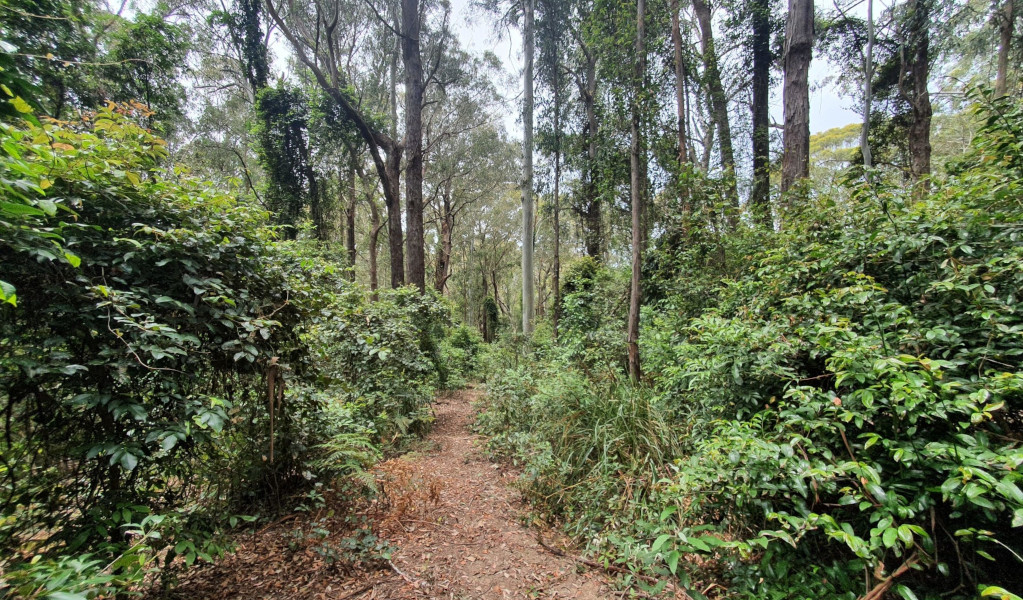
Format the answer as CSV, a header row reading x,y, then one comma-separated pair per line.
x,y
166,363
841,418
594,305
866,392
462,354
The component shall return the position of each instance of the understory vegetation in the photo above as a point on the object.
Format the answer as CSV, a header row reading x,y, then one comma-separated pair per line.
x,y
172,368
832,410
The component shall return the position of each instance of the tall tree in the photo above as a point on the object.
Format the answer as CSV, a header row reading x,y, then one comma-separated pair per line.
x,y
637,161
681,103
411,26
583,69
798,52
718,104
760,196
915,57
1005,19
868,90
528,45
551,28
322,39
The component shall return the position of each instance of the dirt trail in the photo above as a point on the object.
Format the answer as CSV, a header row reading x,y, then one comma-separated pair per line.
x,y
453,517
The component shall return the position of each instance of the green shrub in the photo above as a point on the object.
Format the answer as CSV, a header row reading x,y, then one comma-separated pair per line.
x,y
846,408
166,363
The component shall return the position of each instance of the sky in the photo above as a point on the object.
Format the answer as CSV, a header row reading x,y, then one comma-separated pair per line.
x,y
475,31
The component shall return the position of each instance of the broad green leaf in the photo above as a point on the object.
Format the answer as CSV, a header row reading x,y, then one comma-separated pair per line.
x,y
20,105
8,293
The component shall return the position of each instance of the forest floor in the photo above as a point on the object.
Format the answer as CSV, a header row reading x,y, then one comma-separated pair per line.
x,y
452,517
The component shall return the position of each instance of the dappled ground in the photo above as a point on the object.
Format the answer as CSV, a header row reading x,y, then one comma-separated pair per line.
x,y
450,514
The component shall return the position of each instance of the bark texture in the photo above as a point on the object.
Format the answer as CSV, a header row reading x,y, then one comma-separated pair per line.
x,y
718,105
350,218
528,45
638,189
412,58
916,63
760,196
798,52
447,224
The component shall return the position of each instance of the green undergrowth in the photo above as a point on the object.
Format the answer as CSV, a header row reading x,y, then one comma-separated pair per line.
x,y
170,369
844,414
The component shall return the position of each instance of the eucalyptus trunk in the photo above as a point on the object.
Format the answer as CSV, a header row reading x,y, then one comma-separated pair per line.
x,y
528,45
414,87
557,201
760,197
718,106
350,219
392,199
868,90
795,163
682,115
913,84
447,224
374,241
638,185
591,212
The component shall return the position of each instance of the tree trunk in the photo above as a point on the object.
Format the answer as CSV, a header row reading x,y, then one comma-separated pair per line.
x,y
638,185
315,206
447,223
1004,18
412,58
760,197
680,99
556,314
592,219
374,240
394,234
868,91
916,68
718,106
350,220
795,163
527,171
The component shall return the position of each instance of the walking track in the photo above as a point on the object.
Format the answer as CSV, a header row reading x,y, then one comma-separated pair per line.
x,y
452,515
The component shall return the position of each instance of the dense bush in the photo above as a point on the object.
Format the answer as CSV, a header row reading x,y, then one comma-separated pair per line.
x,y
462,353
165,363
845,417
594,306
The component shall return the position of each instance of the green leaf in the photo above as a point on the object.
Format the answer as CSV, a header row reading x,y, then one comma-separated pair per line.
x,y
905,592
7,293
672,560
128,461
66,596
1010,491
20,105
660,542
998,592
23,210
